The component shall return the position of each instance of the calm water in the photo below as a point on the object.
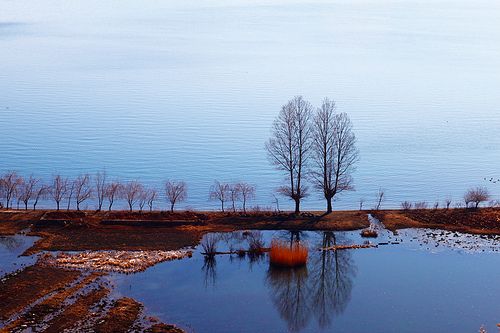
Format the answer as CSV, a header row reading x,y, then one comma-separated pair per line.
x,y
11,249
413,286
189,89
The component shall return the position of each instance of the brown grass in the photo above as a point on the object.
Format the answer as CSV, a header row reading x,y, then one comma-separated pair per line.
x,y
284,255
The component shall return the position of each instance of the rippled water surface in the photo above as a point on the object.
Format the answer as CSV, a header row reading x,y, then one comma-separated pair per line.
x,y
189,89
421,281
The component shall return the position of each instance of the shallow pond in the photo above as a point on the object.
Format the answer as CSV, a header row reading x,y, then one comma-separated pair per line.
x,y
421,281
11,248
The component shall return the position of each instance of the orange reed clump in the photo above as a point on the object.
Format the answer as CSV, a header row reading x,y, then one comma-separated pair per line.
x,y
285,255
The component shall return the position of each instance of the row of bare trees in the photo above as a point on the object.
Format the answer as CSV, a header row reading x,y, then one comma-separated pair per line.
x,y
233,193
16,190
315,146
472,199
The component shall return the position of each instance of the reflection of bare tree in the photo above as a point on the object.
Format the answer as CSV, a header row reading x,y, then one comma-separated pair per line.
x,y
209,268
322,289
290,293
331,274
11,243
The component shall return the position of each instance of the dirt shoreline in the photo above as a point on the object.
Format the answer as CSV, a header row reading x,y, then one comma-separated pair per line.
x,y
123,230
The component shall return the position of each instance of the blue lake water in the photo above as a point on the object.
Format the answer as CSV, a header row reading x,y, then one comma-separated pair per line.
x,y
431,281
189,89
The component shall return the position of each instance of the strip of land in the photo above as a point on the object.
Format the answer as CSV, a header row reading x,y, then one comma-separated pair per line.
x,y
166,231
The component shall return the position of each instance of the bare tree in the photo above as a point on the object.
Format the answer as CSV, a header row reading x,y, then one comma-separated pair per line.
x,y
132,192
83,190
447,203
58,189
10,183
334,152
175,191
143,198
151,198
27,190
289,146
234,195
361,202
40,192
247,192
380,198
100,188
219,191
476,196
112,191
70,191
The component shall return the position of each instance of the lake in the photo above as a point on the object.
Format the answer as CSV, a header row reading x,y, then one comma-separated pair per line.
x,y
188,90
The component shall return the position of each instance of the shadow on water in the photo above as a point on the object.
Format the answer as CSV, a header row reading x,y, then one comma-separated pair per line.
x,y
320,290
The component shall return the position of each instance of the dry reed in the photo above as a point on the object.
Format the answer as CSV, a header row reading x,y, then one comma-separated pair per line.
x,y
284,254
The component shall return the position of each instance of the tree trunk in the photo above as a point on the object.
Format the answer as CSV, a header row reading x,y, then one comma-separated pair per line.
x,y
328,205
57,204
297,206
172,207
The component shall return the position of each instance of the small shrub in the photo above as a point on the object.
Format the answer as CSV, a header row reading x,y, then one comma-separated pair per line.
x,y
406,205
421,205
255,243
283,254
209,245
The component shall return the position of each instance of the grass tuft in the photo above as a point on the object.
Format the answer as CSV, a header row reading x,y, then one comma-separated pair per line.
x,y
285,255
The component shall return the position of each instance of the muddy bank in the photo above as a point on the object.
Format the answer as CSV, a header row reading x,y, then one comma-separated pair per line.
x,y
49,299
476,221
89,230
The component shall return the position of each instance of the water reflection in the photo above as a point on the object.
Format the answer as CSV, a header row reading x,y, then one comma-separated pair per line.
x,y
321,290
210,271
11,243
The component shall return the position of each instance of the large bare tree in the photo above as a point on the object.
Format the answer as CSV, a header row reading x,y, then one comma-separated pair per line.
x,y
58,189
334,152
10,183
219,191
175,191
289,146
